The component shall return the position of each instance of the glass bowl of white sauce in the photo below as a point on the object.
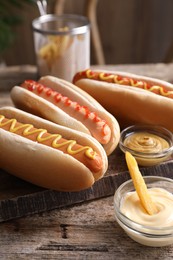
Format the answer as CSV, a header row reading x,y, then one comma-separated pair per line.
x,y
151,230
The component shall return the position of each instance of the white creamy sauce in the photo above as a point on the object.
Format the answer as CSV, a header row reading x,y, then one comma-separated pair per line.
x,y
132,208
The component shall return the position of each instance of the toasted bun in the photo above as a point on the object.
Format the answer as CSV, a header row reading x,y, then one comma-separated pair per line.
x,y
132,105
29,102
34,104
43,165
77,94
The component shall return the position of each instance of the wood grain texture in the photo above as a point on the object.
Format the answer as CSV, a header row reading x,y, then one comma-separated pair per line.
x,y
131,31
19,198
14,75
87,230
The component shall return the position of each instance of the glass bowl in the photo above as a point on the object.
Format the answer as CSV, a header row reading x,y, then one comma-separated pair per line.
x,y
150,145
149,235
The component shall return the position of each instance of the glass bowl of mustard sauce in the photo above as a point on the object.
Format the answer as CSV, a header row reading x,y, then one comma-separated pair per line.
x,y
149,144
150,230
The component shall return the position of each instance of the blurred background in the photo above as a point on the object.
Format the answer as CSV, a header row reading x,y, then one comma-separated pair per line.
x,y
131,31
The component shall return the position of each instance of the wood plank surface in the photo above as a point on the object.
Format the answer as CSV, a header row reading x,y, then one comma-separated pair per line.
x,y
87,231
19,198
131,31
84,231
13,75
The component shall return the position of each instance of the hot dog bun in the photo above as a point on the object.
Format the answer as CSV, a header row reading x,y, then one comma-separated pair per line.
x,y
65,104
124,96
43,165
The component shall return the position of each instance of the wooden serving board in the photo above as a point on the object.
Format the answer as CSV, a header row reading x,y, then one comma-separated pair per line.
x,y
19,198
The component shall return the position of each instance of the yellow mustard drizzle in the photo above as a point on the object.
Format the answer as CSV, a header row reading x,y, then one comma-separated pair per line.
x,y
161,90
121,81
89,74
56,137
143,84
103,76
133,82
152,88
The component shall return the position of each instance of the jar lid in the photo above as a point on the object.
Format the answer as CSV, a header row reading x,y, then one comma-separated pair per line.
x,y
51,24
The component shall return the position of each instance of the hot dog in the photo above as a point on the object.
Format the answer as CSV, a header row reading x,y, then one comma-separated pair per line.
x,y
63,103
131,98
47,154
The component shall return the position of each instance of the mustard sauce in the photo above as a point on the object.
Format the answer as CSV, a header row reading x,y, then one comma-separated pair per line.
x,y
27,130
123,80
146,142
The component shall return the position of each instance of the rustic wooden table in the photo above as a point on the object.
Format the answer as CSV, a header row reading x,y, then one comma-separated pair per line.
x,y
87,230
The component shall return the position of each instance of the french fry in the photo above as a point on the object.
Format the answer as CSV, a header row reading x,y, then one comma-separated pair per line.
x,y
140,185
56,47
47,53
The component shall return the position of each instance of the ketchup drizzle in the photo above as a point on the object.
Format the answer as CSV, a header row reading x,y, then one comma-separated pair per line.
x,y
32,85
122,80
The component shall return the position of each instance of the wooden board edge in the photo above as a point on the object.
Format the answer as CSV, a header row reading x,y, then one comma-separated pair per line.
x,y
48,199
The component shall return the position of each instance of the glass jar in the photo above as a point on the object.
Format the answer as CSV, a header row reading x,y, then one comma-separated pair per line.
x,y
62,44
